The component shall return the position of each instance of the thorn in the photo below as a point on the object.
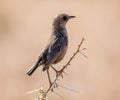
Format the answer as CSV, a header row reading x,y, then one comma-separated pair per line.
x,y
84,48
83,54
62,75
54,86
64,72
69,64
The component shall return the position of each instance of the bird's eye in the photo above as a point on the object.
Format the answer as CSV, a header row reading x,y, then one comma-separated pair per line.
x,y
64,18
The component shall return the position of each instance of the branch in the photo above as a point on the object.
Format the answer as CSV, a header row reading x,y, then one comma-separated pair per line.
x,y
54,84
42,94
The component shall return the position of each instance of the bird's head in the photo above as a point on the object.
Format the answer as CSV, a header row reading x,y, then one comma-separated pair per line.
x,y
62,19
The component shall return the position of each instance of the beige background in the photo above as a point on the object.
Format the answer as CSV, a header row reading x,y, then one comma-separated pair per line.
x,y
25,27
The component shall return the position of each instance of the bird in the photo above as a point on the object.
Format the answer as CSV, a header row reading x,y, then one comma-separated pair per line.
x,y
57,46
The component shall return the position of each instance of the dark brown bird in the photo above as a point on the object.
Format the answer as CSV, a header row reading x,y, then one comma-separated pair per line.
x,y
57,47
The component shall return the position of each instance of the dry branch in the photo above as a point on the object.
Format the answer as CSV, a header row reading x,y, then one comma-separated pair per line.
x,y
42,94
54,84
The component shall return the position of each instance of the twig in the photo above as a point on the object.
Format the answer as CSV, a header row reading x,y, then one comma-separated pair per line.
x,y
54,84
64,87
78,50
41,93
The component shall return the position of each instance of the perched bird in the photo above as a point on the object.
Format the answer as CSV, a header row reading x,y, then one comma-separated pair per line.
x,y
57,47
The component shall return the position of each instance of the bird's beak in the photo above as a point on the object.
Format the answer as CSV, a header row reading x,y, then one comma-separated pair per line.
x,y
71,17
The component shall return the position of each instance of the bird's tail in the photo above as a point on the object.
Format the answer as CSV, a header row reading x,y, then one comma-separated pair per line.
x,y
33,68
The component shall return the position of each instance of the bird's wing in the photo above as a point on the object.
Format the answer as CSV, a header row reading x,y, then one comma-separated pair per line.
x,y
54,51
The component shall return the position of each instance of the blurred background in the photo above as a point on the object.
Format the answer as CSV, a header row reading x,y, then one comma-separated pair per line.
x,y
25,27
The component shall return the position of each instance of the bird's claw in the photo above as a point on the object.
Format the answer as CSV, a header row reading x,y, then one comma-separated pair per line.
x,y
60,73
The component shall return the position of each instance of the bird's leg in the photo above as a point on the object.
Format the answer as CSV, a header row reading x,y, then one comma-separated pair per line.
x,y
52,84
54,69
49,77
58,73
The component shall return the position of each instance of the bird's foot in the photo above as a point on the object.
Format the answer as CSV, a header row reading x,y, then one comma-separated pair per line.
x,y
60,73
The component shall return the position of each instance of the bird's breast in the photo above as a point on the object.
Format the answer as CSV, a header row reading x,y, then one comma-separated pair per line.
x,y
64,47
61,55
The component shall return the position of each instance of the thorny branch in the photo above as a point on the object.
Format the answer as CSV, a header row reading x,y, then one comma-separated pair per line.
x,y
42,94
54,84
